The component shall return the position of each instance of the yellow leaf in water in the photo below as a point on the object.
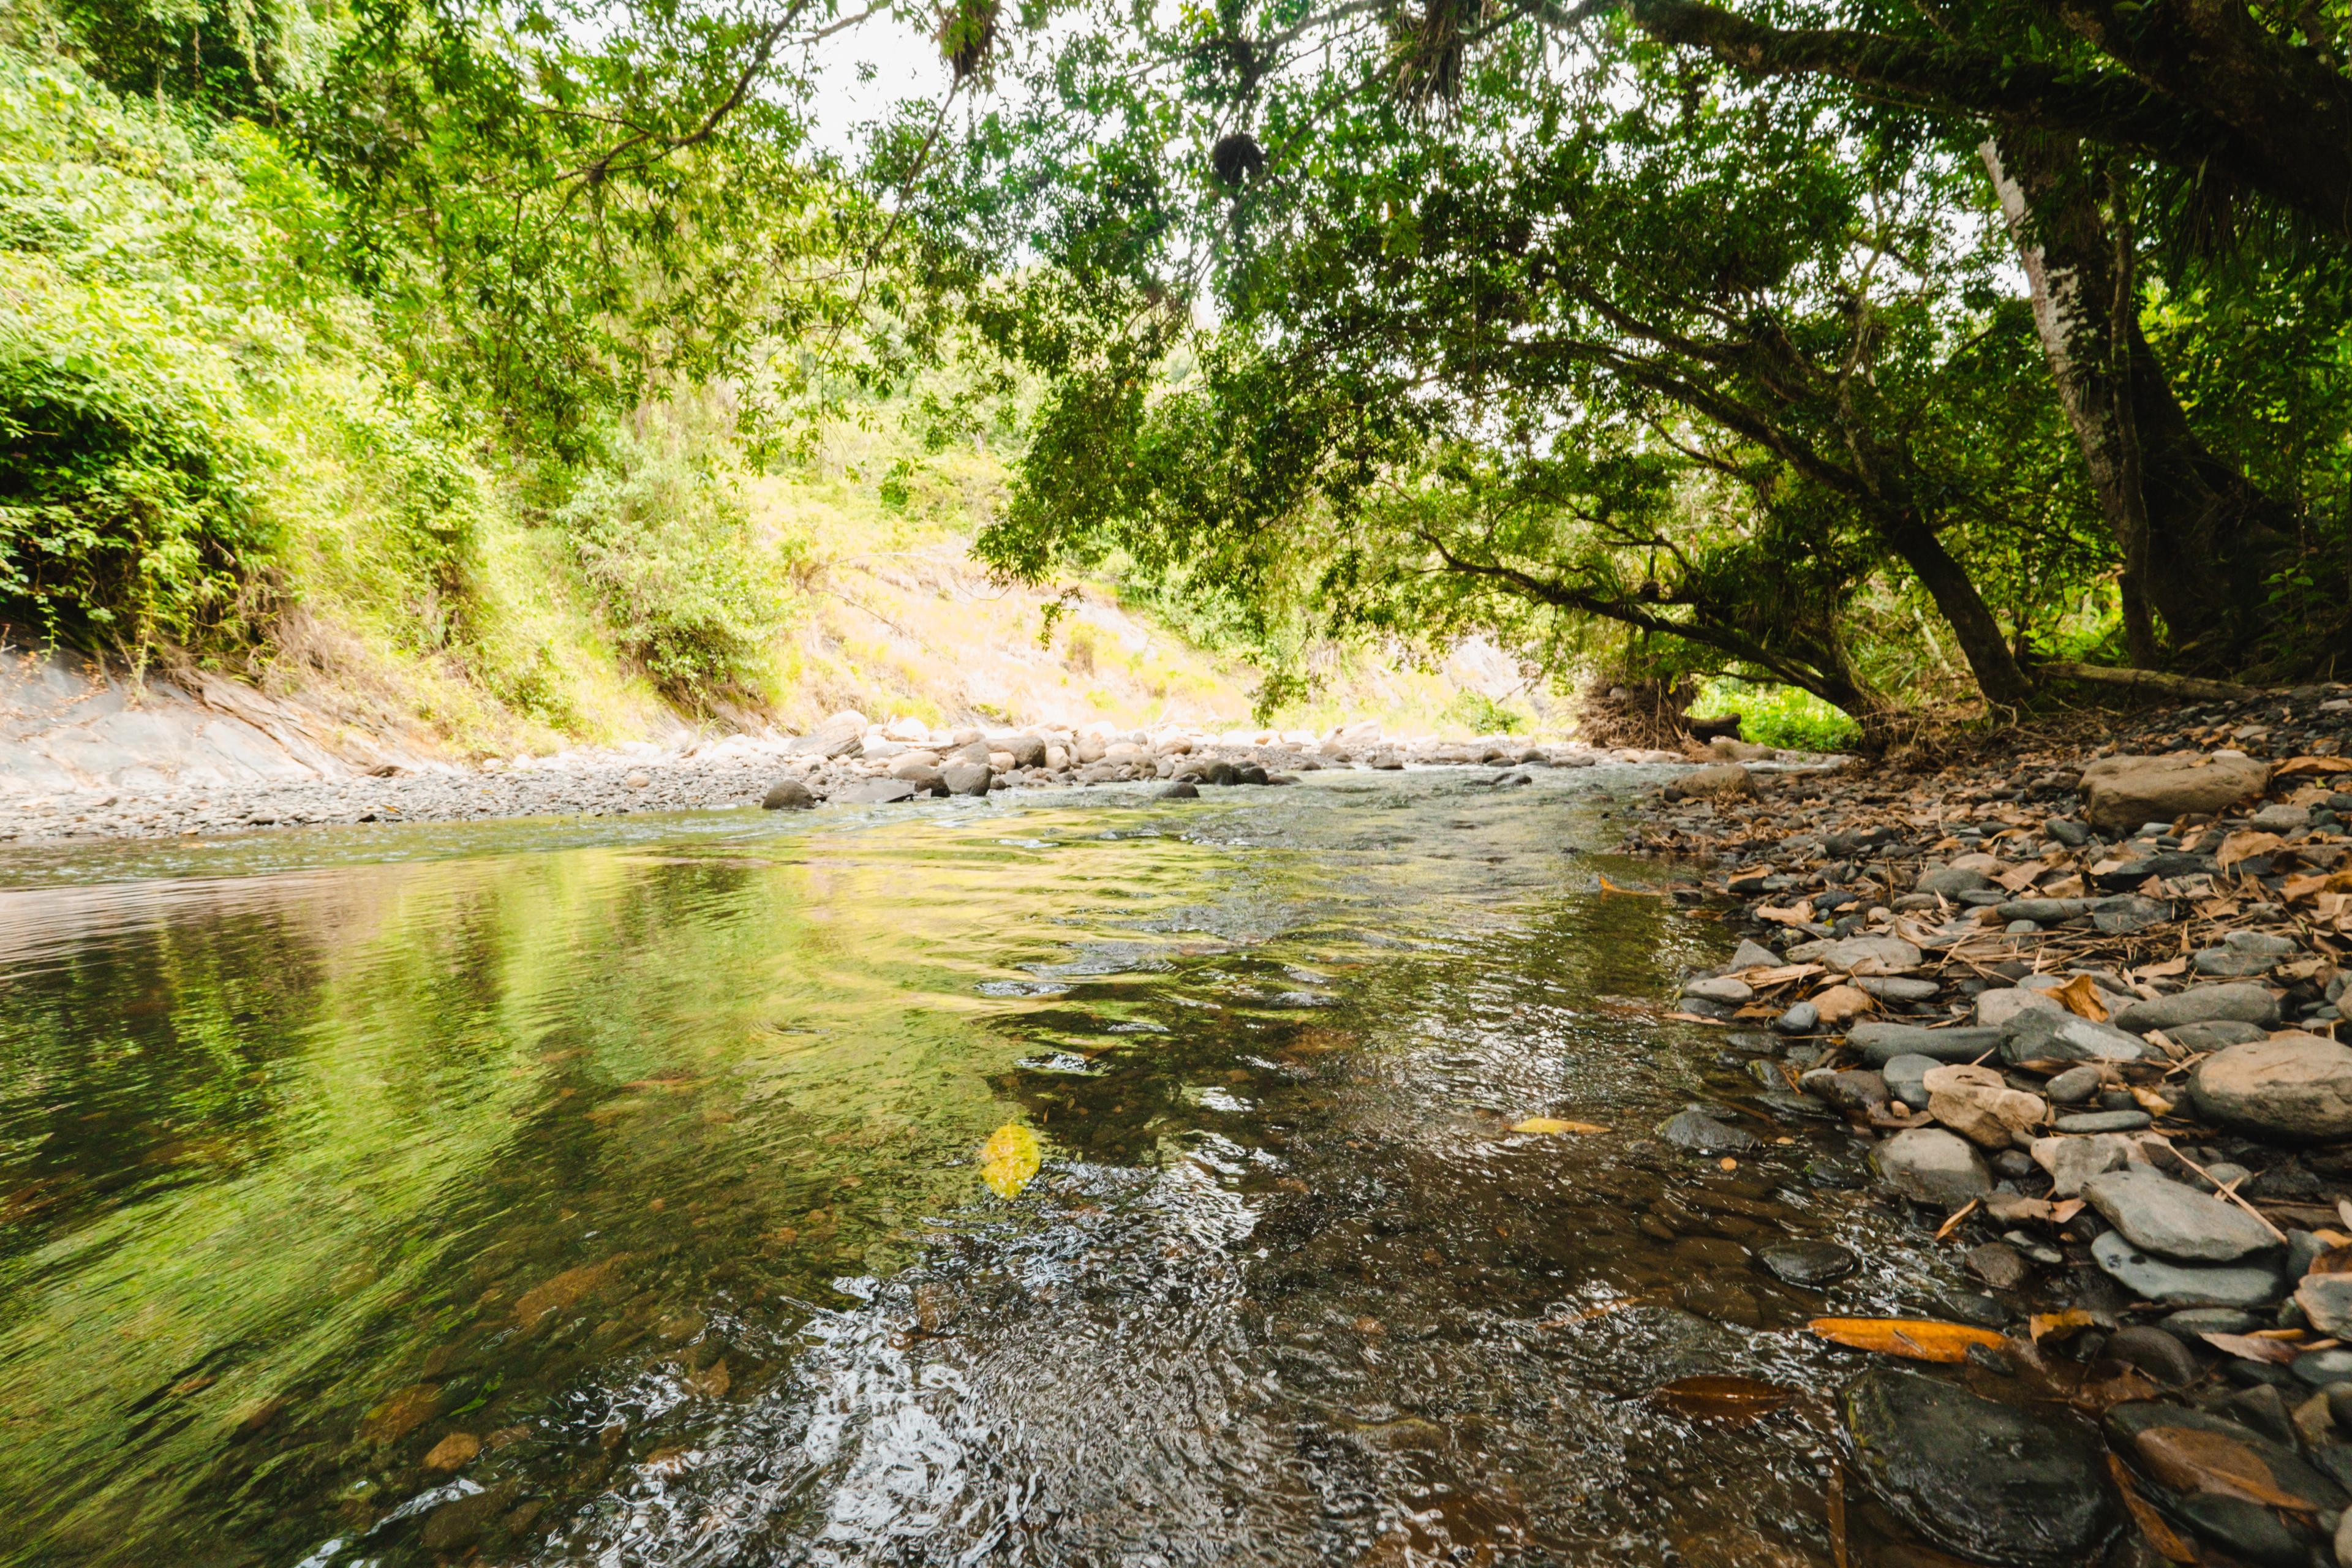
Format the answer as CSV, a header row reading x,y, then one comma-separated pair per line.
x,y
1554,1124
1918,1339
1009,1160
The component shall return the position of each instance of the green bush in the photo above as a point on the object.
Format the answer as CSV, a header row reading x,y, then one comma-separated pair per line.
x,y
690,593
1777,715
1485,715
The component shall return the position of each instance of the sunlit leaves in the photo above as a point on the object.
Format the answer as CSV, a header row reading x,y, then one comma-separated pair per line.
x,y
1009,1160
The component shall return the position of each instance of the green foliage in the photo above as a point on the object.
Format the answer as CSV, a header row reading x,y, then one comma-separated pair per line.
x,y
140,317
1777,715
1483,715
662,538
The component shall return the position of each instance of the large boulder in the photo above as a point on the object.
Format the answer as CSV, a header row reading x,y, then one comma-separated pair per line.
x,y
1929,1165
1990,1481
2289,1086
1027,749
967,778
836,737
2124,791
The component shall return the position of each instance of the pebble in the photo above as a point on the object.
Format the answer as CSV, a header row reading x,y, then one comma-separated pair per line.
x,y
2104,1121
1989,1481
2153,1351
2074,1086
2072,1161
1882,1042
1906,1079
2326,1301
2057,1036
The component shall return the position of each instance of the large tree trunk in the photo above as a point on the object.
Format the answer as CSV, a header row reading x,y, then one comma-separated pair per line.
x,y
2195,535
1991,659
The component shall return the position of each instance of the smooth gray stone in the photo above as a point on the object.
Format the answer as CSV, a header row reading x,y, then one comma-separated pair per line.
x,y
2174,1220
2191,1324
2074,1086
1906,1078
967,778
2326,1301
2180,1284
1697,1131
2222,961
787,794
2047,1035
2196,1037
2236,1001
2289,1086
1881,1043
2130,912
1896,987
2260,941
2104,1121
1950,880
1929,1165
1808,1263
2321,1368
2044,912
873,792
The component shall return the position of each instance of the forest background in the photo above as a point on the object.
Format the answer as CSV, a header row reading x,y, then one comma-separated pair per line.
x,y
528,361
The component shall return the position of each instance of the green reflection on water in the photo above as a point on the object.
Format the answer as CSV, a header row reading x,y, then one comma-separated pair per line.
x,y
306,1176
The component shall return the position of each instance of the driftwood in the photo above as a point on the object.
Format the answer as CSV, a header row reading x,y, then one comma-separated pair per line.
x,y
2150,680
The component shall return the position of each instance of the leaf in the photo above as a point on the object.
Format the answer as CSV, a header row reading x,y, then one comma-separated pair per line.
x,y
1763,979
2245,845
1796,915
2296,888
2063,1325
2080,996
1554,1124
1009,1160
2160,1535
2183,1458
2245,1347
1920,1339
1722,1398
2294,765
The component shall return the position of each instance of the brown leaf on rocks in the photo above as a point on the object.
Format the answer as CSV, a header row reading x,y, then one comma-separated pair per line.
x,y
2186,1459
2017,879
2080,996
1722,1398
2160,1535
2246,1347
1796,915
1920,1339
2335,1260
2062,1325
2245,845
2294,765
2297,890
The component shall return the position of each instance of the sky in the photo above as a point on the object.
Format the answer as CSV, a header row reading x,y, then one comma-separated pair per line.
x,y
904,64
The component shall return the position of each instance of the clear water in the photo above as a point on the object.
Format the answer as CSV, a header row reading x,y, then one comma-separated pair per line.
x,y
553,1192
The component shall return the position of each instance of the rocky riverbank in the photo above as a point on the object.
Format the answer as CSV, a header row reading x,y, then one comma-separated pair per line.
x,y
846,760
2078,1007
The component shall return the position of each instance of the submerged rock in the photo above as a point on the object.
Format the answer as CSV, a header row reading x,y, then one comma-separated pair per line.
x,y
1989,1481
1809,1265
1697,1131
2207,1472
787,794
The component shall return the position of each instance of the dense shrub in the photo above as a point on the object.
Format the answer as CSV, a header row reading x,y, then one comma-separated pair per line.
x,y
691,594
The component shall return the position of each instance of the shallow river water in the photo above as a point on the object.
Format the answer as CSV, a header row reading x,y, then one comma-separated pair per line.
x,y
612,1193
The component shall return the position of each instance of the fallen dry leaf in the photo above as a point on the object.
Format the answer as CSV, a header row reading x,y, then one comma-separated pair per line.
x,y
1722,1398
2246,1347
1795,915
1554,1124
2060,1325
2080,996
2245,845
2183,1458
2295,765
2160,1535
1920,1339
2296,889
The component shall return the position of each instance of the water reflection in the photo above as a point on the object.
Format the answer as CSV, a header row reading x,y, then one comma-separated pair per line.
x,y
624,1202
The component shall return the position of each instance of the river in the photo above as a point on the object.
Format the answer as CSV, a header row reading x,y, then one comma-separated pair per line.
x,y
612,1193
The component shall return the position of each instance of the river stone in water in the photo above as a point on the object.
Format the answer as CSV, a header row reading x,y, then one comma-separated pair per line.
x,y
2176,1221
873,792
1697,1131
1807,1264
2289,1086
2238,1001
787,794
1987,1480
2182,1284
1929,1165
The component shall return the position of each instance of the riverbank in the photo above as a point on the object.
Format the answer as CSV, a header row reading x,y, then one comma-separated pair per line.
x,y
2079,996
845,758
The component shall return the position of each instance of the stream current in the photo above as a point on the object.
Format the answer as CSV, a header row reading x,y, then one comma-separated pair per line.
x,y
561,1192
